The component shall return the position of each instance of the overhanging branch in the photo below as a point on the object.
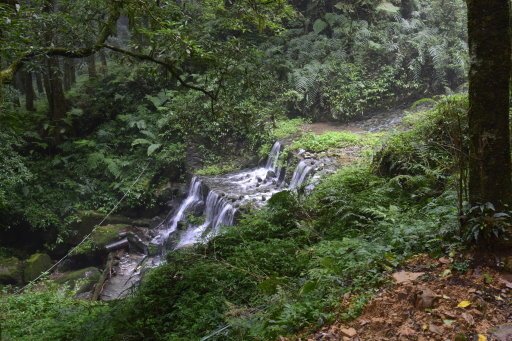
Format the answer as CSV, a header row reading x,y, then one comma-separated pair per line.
x,y
169,66
7,75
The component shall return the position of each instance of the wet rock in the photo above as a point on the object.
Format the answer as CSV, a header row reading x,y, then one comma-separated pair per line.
x,y
502,333
11,271
155,222
259,179
83,279
263,198
136,244
270,174
181,226
198,209
153,249
100,238
36,265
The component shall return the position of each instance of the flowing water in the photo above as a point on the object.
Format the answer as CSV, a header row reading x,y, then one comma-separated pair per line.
x,y
212,203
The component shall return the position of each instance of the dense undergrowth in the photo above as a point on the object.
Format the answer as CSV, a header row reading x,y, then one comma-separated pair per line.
x,y
284,269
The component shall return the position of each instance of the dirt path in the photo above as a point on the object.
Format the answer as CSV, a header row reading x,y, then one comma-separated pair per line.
x,y
375,123
433,299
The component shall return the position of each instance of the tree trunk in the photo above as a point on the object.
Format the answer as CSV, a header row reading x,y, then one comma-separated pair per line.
x,y
69,73
29,91
57,105
490,47
406,8
103,59
91,66
39,83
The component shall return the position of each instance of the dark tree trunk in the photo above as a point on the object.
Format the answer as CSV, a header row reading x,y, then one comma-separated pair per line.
x,y
39,83
69,73
489,45
18,84
29,91
57,105
91,66
406,8
103,59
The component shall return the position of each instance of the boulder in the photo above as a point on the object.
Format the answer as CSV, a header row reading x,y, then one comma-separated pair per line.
x,y
36,265
11,271
83,280
100,238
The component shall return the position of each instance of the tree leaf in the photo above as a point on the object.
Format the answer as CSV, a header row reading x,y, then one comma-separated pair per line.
x,y
153,148
319,25
140,141
387,7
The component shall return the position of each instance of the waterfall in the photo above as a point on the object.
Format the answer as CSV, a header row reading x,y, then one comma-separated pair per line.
x,y
300,174
273,157
193,197
218,212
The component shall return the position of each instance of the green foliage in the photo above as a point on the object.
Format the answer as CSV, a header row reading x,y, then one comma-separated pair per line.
x,y
53,314
216,169
360,56
335,139
432,146
486,225
283,269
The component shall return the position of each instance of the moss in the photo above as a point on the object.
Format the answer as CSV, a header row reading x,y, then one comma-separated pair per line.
x,y
333,139
36,265
10,271
102,236
83,279
217,169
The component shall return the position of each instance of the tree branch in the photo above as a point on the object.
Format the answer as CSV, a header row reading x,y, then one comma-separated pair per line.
x,y
169,66
7,75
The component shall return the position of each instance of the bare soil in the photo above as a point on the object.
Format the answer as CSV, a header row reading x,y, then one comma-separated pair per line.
x,y
429,299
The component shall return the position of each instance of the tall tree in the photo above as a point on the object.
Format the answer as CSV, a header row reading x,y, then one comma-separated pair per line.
x,y
490,48
29,90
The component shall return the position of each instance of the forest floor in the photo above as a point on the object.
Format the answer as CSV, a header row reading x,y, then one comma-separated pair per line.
x,y
382,121
433,299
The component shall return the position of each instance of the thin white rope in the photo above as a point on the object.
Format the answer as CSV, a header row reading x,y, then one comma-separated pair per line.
x,y
88,235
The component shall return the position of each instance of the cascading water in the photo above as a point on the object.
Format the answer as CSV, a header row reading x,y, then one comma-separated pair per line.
x,y
218,212
300,174
224,194
194,197
273,158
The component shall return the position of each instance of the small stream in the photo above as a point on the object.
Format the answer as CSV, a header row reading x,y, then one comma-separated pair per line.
x,y
212,203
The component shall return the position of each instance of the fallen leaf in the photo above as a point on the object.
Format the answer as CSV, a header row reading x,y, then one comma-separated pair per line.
x,y
469,318
446,273
425,299
435,329
405,330
448,322
444,260
350,332
463,304
404,276
498,298
482,337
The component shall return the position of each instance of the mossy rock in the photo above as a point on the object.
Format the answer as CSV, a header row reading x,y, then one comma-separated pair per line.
x,y
83,280
11,271
36,265
101,237
87,220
